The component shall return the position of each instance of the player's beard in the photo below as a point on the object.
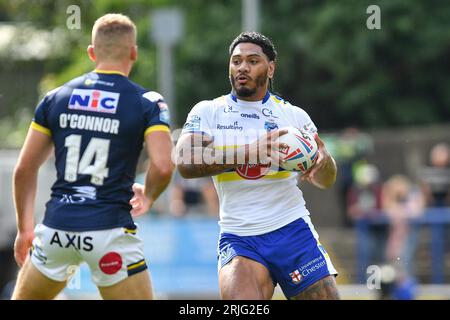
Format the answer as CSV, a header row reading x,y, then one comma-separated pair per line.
x,y
245,91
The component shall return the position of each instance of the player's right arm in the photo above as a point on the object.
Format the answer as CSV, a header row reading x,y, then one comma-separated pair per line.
x,y
36,149
196,156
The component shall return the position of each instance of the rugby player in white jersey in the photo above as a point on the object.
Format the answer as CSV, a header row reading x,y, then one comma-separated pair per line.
x,y
266,233
97,124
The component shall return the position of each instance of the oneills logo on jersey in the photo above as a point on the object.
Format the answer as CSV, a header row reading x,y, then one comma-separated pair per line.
x,y
94,100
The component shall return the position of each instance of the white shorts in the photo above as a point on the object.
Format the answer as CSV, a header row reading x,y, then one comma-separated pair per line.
x,y
112,255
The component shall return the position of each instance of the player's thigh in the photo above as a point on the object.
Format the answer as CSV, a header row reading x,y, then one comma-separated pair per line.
x,y
244,278
33,285
116,260
135,287
324,289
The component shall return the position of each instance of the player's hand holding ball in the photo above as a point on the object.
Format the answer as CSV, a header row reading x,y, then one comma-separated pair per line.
x,y
266,150
306,153
298,150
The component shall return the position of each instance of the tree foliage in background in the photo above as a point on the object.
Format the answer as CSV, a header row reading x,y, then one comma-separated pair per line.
x,y
352,76
330,64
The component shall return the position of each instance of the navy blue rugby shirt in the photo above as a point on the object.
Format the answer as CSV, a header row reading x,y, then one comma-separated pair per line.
x,y
98,123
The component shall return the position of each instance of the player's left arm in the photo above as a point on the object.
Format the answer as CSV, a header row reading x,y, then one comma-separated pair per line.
x,y
159,149
323,173
34,153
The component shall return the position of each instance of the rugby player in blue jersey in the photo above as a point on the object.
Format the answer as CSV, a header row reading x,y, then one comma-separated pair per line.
x,y
97,125
267,236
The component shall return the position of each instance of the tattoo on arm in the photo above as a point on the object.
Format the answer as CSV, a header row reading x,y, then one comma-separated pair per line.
x,y
201,159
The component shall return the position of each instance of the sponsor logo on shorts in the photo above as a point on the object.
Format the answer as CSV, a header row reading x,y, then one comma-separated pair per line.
x,y
296,276
312,266
76,241
324,252
226,254
38,252
110,263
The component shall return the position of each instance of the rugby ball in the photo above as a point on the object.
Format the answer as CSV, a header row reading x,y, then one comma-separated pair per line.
x,y
301,151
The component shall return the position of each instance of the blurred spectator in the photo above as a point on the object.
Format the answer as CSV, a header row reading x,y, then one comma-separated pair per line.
x,y
364,196
402,201
435,179
350,150
189,196
435,183
364,206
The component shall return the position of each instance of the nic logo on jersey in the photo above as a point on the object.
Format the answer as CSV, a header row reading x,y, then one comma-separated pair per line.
x,y
94,100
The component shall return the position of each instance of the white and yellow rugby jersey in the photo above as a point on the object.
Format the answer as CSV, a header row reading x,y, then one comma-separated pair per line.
x,y
253,199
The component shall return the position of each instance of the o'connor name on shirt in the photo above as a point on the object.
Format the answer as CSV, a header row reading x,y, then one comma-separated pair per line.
x,y
91,123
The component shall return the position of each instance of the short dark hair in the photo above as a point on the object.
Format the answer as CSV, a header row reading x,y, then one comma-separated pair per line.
x,y
259,39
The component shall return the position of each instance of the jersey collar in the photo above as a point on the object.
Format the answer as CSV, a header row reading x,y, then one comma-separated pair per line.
x,y
264,100
109,72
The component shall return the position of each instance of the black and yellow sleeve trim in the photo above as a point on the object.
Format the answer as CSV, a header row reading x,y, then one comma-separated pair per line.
x,y
136,267
40,128
158,127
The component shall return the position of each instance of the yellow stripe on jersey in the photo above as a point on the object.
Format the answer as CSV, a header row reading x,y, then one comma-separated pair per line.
x,y
110,72
233,176
158,127
136,265
40,128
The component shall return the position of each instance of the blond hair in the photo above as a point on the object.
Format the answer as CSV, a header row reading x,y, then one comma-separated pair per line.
x,y
112,36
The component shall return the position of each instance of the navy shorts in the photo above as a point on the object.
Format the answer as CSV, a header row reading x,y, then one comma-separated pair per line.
x,y
292,254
